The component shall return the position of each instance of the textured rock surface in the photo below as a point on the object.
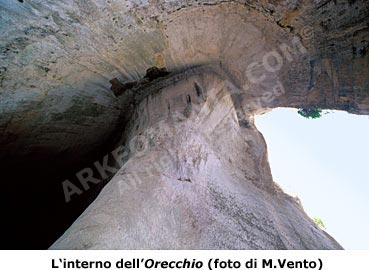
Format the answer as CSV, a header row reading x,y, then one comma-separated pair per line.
x,y
199,181
56,61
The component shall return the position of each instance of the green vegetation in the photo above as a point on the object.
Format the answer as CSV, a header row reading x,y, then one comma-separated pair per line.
x,y
310,113
319,222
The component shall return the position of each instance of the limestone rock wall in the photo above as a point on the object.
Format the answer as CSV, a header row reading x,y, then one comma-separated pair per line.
x,y
198,180
57,58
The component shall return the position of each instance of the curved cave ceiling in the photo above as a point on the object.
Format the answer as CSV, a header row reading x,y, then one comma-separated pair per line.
x,y
58,59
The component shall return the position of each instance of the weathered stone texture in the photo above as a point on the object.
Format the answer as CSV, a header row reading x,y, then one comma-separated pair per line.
x,y
234,58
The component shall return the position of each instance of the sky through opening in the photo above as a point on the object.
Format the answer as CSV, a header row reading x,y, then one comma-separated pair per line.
x,y
325,163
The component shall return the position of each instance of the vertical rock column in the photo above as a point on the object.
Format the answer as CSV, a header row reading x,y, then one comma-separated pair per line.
x,y
196,178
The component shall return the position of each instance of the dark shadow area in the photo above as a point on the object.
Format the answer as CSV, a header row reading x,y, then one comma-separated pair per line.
x,y
34,212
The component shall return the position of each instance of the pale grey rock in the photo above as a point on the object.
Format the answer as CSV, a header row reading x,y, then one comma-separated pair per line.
x,y
200,181
56,61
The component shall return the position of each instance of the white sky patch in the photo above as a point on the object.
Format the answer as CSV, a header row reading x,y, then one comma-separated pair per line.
x,y
325,163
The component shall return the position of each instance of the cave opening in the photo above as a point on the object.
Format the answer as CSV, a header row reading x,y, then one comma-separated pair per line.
x,y
34,207
323,161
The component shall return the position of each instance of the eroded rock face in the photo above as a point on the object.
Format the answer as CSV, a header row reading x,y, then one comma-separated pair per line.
x,y
243,57
199,180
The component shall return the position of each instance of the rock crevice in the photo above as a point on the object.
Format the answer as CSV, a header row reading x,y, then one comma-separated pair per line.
x,y
229,60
